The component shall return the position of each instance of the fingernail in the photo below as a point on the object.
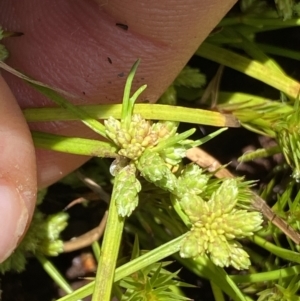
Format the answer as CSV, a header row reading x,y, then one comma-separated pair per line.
x,y
13,218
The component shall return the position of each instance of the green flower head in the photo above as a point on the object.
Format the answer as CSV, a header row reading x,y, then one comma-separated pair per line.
x,y
139,135
216,225
126,190
154,170
192,180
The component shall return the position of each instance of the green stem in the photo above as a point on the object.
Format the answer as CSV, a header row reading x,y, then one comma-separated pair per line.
x,y
284,52
54,273
109,254
150,257
257,54
267,276
278,251
259,153
82,115
217,292
74,145
96,249
131,267
251,68
148,111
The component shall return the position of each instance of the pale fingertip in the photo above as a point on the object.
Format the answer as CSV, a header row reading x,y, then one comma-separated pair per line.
x,y
13,218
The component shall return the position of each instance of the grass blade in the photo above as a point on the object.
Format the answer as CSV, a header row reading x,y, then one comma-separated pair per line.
x,y
251,68
73,145
148,111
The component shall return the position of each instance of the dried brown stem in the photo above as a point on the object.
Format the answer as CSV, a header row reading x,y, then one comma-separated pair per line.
x,y
86,239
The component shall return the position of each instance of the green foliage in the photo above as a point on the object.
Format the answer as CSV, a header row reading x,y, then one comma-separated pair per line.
x,y
283,124
187,79
169,97
286,9
288,136
214,221
42,237
285,290
190,78
151,283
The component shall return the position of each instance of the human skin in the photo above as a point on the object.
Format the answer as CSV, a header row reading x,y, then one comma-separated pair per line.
x,y
66,44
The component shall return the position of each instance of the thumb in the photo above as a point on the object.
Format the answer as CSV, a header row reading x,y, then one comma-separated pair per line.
x,y
17,173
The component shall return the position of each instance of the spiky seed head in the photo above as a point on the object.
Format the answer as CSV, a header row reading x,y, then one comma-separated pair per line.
x,y
126,189
216,225
192,180
154,169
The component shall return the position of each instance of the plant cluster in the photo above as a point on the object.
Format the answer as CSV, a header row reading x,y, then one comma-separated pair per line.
x,y
207,224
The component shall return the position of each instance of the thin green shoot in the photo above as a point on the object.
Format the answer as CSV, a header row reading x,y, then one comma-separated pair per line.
x,y
54,273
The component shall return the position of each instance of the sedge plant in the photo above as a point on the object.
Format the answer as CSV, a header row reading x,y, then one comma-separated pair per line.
x,y
207,224
154,151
